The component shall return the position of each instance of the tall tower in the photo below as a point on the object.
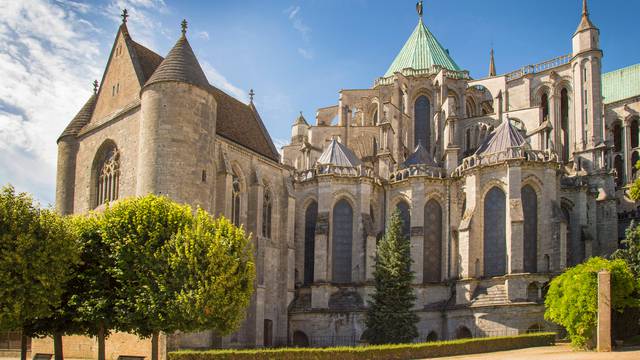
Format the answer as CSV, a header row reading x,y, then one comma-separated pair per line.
x,y
587,92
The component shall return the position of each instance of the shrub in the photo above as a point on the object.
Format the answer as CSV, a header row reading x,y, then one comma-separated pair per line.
x,y
377,352
572,299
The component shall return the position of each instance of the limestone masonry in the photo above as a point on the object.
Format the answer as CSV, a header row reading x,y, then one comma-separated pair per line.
x,y
503,182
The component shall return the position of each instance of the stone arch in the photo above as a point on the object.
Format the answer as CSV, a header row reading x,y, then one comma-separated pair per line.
x,y
310,221
268,205
617,133
238,194
105,174
342,241
494,232
463,332
433,237
300,339
530,202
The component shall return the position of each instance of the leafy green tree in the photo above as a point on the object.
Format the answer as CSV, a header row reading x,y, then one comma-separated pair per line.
x,y
214,261
37,253
630,252
139,232
389,317
634,189
572,299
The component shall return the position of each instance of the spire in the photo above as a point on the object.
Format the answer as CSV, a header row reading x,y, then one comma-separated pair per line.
x,y
492,65
124,16
585,21
180,65
421,51
301,120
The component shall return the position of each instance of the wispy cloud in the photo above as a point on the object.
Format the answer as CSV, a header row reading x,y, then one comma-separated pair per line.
x,y
203,35
144,22
218,80
307,54
293,14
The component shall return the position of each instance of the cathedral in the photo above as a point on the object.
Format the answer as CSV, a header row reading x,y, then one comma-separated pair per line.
x,y
502,182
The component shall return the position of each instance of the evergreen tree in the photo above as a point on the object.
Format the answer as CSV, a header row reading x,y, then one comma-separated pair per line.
x,y
389,317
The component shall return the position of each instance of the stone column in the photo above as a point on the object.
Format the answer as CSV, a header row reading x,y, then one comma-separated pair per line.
x,y
604,311
417,230
515,221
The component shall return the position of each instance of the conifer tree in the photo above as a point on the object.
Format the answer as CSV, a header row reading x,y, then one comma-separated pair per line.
x,y
389,317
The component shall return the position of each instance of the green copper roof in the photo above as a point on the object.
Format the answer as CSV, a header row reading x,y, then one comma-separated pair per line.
x,y
421,51
621,84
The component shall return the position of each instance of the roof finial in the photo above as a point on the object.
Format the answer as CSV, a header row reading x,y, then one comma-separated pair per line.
x,y
492,64
124,16
95,86
585,9
419,8
251,94
183,25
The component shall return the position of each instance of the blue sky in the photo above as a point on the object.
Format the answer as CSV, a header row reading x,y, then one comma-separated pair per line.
x,y
297,55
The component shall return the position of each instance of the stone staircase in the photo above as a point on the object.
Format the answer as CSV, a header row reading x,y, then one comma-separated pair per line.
x,y
488,295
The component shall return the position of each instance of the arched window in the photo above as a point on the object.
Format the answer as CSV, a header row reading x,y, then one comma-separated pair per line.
x,y
633,128
463,332
405,216
619,166
266,213
421,128
564,119
235,200
470,107
108,174
544,104
342,242
617,137
310,219
530,210
495,247
300,339
374,118
432,259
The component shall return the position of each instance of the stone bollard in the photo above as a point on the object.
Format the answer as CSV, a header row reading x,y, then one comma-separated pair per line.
x,y
604,311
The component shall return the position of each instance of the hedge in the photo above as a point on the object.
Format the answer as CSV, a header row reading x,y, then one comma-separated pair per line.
x,y
376,352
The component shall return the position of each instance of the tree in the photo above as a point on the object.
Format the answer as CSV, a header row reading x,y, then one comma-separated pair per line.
x,y
389,318
139,232
572,299
634,189
214,262
630,252
37,253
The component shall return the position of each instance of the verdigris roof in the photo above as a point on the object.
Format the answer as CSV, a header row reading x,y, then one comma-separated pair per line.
x,y
421,51
503,138
621,84
338,154
81,119
420,156
180,65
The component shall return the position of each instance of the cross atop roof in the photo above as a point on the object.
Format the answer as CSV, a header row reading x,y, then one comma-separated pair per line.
x,y
124,16
183,25
95,86
251,94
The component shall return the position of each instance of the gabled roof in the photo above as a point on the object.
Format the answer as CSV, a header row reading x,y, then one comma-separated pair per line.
x,y
421,51
621,84
338,154
240,123
420,156
504,137
81,119
180,65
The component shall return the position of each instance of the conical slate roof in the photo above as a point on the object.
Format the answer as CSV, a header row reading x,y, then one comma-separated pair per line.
x,y
81,119
502,138
420,156
339,155
180,65
421,51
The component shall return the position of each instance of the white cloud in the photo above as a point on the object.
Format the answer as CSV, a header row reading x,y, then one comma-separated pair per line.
x,y
218,80
203,35
296,21
143,22
307,54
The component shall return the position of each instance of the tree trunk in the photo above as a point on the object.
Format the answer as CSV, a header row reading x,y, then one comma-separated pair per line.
x,y
154,345
101,348
57,346
23,346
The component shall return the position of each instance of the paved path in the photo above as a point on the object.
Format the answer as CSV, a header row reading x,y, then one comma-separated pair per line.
x,y
558,352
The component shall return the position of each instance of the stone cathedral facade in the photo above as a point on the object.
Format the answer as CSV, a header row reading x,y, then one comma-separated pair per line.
x,y
502,182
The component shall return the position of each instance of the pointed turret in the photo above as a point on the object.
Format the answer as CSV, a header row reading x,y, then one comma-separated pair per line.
x,y
180,65
420,156
492,65
421,51
503,138
338,154
585,21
